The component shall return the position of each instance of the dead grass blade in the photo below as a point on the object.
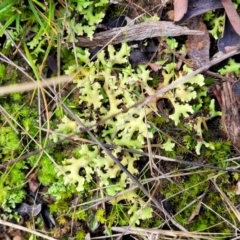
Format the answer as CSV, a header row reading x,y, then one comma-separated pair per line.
x,y
109,146
158,234
227,201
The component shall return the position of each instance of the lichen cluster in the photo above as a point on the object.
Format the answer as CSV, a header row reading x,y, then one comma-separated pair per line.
x,y
104,91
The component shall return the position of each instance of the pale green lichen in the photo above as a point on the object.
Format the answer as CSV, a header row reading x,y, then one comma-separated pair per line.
x,y
91,12
72,166
198,123
97,162
182,94
216,23
168,145
66,127
121,90
231,67
138,209
104,91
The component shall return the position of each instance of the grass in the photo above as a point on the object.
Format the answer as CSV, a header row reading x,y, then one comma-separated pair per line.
x,y
45,122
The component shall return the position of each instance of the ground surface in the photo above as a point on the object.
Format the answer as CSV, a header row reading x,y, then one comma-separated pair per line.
x,y
116,121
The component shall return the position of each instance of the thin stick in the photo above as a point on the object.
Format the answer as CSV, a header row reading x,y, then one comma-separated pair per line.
x,y
28,86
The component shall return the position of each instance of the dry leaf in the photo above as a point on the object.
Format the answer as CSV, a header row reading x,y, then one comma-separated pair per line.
x,y
155,67
230,40
180,8
198,7
16,235
170,15
25,209
232,15
33,183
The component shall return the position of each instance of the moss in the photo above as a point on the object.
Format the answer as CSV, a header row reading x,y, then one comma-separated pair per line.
x,y
9,142
80,235
11,195
117,216
46,173
193,186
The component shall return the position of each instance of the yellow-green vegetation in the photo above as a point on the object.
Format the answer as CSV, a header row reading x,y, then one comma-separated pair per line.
x,y
80,179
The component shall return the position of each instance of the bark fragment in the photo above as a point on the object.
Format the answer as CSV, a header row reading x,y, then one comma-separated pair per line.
x,y
230,114
136,32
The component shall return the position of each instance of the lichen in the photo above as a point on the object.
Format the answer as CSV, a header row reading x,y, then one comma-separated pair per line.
x,y
94,162
104,92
